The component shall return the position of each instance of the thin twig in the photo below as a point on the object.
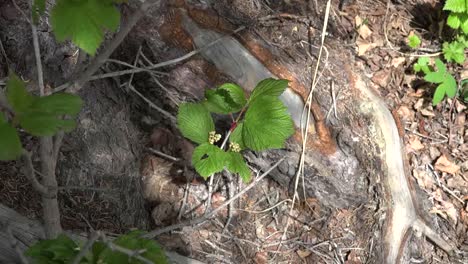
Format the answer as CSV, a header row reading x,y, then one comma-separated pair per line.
x,y
184,201
57,144
131,253
210,183
26,155
84,188
37,54
443,186
85,79
159,109
109,49
199,220
84,250
164,155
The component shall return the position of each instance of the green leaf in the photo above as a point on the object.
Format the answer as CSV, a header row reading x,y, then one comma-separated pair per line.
x,y
236,164
10,144
463,39
59,250
236,135
58,104
133,241
450,86
208,159
44,116
268,87
228,98
438,95
3,119
18,97
44,124
414,41
84,21
267,124
437,76
453,20
454,51
464,23
457,6
38,9
195,122
422,65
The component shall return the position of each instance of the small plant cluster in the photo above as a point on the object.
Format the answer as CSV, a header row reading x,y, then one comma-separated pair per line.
x,y
258,123
453,51
64,250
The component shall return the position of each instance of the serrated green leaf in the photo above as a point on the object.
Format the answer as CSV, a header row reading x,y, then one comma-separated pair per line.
x,y
228,98
454,51
208,159
438,95
44,124
464,23
195,122
450,86
18,97
58,104
414,41
457,6
59,250
268,87
267,124
236,164
463,39
84,22
10,144
453,20
236,135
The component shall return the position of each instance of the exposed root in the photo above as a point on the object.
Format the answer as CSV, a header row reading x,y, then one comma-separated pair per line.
x,y
403,212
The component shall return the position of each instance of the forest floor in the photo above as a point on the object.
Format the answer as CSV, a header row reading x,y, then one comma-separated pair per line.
x,y
436,145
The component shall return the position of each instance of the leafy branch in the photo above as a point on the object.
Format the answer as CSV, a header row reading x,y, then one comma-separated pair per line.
x,y
262,122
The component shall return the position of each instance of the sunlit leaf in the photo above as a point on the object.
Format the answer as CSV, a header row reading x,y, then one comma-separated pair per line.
x,y
267,124
84,21
18,97
195,122
228,98
268,87
236,164
208,159
414,41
